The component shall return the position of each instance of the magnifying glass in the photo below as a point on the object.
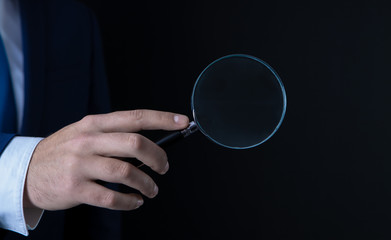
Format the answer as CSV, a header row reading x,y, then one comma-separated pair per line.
x,y
238,102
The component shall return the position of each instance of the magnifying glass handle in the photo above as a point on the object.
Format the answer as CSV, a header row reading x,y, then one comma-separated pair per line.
x,y
176,136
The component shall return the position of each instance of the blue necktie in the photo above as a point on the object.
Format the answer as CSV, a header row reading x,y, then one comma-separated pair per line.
x,y
7,99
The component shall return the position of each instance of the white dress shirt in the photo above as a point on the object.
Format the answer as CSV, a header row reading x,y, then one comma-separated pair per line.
x,y
15,159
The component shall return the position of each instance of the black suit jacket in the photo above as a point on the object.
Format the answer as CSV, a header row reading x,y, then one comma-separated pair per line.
x,y
65,80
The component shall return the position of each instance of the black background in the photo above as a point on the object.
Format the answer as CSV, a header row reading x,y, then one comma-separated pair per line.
x,y
326,172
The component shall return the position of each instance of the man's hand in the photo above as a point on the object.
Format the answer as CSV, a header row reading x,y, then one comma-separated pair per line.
x,y
65,166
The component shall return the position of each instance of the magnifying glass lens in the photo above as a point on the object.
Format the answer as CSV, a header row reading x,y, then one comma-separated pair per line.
x,y
238,101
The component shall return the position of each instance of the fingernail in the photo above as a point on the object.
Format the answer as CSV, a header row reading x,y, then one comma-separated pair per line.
x,y
180,119
166,168
139,203
155,190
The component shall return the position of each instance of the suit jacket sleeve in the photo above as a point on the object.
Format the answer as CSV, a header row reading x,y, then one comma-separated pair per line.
x,y
4,140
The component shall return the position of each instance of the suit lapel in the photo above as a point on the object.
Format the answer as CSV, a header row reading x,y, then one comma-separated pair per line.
x,y
33,31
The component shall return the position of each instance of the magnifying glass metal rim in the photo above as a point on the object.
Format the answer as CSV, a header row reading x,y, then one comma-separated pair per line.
x,y
259,61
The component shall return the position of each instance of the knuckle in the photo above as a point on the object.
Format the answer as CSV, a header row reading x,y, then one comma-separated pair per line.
x,y
109,169
119,171
124,170
108,200
137,114
88,120
163,117
71,184
81,142
135,141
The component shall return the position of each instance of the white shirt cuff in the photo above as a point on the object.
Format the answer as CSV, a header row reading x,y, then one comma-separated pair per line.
x,y
14,162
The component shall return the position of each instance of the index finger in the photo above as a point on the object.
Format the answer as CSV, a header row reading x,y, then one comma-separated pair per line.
x,y
136,120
